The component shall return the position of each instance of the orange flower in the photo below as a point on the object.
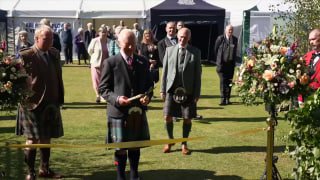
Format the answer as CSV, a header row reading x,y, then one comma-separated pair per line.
x,y
304,79
283,50
267,75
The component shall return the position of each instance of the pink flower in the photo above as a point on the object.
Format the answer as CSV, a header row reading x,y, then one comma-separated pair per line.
x,y
291,84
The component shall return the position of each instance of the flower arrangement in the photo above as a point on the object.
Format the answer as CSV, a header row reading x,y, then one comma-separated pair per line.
x,y
13,82
272,71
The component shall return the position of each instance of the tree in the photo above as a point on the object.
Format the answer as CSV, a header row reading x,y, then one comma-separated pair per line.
x,y
301,17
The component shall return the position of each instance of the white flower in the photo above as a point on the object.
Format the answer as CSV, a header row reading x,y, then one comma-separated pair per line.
x,y
12,76
291,71
13,69
298,65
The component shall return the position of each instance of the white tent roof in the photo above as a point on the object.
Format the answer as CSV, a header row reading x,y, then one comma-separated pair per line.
x,y
47,8
95,9
235,7
113,9
8,5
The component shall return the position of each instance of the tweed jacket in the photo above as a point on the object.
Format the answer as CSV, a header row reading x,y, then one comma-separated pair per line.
x,y
32,62
191,79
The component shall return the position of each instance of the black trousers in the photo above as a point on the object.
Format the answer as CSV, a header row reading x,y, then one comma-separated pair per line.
x,y
67,49
226,83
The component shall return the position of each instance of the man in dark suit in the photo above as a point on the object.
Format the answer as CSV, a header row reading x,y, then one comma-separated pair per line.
x,y
169,40
67,42
124,76
89,34
180,85
39,117
225,50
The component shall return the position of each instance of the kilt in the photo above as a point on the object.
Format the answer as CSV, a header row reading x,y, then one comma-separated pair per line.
x,y
127,129
44,122
186,110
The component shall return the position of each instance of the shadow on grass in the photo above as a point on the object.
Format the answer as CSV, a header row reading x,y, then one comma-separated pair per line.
x,y
240,149
168,174
7,130
245,119
12,163
8,117
84,105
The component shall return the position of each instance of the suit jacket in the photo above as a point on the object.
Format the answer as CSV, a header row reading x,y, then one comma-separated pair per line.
x,y
221,53
191,71
88,36
117,80
33,64
162,45
56,41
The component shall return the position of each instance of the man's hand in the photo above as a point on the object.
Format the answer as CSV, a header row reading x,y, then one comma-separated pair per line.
x,y
145,100
123,101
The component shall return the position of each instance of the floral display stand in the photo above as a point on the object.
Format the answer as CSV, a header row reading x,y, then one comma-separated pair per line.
x,y
272,73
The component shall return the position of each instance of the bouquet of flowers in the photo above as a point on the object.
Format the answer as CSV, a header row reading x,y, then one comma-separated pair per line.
x,y
13,82
272,71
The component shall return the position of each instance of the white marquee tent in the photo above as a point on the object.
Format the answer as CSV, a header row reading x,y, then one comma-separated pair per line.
x,y
25,14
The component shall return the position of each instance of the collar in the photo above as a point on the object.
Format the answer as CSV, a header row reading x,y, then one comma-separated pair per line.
x,y
40,51
170,37
124,56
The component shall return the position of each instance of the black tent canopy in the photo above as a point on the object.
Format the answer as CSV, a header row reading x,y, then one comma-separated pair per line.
x,y
205,21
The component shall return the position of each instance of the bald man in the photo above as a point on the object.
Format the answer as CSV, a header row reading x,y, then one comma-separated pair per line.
x,y
124,76
312,59
180,86
225,50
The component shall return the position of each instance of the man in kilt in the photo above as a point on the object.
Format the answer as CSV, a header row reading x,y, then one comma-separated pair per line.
x,y
125,84
180,85
39,117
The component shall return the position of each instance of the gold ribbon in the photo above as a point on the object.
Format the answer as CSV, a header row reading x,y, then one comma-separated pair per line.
x,y
131,144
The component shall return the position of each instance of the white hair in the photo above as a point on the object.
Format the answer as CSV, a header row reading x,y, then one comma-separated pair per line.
x,y
42,28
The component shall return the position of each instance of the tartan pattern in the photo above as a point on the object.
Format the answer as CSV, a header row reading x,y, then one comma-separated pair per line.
x,y
186,110
43,122
132,128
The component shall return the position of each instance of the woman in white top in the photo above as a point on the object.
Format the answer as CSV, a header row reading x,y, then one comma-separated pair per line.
x,y
98,51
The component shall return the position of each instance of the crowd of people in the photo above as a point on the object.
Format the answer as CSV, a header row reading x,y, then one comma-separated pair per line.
x,y
124,68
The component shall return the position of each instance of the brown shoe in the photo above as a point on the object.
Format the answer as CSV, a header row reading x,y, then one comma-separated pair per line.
x,y
185,150
167,148
49,174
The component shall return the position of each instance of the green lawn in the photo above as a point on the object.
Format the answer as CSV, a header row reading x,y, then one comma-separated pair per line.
x,y
234,147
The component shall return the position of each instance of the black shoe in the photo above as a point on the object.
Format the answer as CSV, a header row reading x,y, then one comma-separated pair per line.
x,y
98,100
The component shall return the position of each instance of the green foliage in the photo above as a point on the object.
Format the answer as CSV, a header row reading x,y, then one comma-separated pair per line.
x,y
301,17
305,133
